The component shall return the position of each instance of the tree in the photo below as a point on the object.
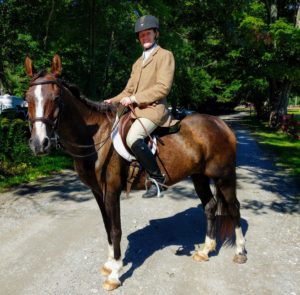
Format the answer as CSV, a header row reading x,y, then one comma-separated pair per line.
x,y
272,43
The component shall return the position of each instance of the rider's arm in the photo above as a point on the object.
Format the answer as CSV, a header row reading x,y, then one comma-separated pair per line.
x,y
164,80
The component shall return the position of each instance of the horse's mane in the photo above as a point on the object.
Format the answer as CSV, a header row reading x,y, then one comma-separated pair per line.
x,y
74,89
94,105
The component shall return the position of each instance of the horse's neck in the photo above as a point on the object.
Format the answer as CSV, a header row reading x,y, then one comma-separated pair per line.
x,y
80,124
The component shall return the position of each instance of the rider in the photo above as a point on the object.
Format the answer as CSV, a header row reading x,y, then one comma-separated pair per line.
x,y
146,90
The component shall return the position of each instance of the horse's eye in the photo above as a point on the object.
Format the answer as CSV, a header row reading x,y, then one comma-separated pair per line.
x,y
56,98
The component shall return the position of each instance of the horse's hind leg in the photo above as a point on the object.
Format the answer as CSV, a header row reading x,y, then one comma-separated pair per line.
x,y
201,183
231,208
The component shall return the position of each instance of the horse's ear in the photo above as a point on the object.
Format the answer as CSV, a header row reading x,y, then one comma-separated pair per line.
x,y
56,65
29,67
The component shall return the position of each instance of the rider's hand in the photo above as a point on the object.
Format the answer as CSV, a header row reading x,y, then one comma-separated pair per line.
x,y
125,101
108,101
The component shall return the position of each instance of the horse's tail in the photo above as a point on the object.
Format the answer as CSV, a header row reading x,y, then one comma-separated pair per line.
x,y
227,217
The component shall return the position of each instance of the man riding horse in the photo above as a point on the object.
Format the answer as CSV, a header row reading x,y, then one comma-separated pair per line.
x,y
146,90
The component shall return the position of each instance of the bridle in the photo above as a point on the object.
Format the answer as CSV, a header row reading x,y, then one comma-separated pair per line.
x,y
54,123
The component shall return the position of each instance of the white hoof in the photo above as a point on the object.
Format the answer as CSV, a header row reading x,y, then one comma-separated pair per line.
x,y
200,257
105,271
110,285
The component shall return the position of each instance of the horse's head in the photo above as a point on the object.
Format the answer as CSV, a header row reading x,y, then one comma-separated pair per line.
x,y
44,98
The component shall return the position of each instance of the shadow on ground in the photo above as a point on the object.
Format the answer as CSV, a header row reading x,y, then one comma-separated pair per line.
x,y
183,231
62,186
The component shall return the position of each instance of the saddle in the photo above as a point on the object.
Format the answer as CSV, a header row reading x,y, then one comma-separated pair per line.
x,y
119,134
126,121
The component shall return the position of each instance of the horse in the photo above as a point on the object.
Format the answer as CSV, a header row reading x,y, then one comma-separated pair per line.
x,y
208,146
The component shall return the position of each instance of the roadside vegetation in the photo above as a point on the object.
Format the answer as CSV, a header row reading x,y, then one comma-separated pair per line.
x,y
17,163
285,148
30,170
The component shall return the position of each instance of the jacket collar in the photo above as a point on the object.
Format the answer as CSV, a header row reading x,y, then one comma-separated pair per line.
x,y
150,58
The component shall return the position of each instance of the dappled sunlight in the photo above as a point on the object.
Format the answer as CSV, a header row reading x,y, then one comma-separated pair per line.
x,y
257,173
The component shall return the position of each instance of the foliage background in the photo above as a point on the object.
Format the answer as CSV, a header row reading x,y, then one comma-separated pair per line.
x,y
226,52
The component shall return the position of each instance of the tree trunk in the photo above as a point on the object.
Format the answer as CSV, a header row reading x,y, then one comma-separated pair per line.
x,y
279,98
105,74
284,96
297,24
279,89
48,24
92,13
2,89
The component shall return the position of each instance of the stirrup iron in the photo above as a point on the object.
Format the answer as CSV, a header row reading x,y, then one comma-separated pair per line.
x,y
153,181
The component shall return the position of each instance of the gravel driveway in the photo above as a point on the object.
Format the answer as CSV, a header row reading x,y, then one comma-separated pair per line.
x,y
53,240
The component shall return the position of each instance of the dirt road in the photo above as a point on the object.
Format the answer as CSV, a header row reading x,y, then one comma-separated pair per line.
x,y
53,239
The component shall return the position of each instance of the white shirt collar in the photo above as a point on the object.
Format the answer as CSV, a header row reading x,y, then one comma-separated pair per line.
x,y
147,53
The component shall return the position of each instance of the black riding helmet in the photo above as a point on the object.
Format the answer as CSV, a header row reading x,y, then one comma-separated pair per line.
x,y
146,22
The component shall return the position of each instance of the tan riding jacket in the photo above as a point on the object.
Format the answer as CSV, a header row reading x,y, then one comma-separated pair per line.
x,y
150,83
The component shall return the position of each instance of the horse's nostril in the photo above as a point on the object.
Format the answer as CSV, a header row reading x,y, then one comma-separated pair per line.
x,y
30,141
46,143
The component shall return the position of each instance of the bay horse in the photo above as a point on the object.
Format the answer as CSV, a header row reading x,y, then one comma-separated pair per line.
x,y
206,143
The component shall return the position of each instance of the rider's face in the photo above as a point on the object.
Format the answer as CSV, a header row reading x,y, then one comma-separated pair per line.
x,y
147,38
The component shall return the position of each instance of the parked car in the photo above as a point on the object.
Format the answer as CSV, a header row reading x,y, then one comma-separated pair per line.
x,y
13,107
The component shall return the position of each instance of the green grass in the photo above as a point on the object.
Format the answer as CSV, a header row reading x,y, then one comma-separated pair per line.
x,y
281,145
44,166
295,112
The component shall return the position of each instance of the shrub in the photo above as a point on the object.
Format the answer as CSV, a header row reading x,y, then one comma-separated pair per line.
x,y
15,154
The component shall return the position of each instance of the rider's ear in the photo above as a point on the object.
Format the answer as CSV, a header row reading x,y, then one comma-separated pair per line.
x,y
56,67
29,67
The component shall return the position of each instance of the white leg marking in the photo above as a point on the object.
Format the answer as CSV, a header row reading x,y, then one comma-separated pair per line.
x,y
114,265
110,251
209,246
110,258
40,127
240,241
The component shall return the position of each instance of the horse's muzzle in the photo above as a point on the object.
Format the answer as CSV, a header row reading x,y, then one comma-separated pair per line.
x,y
40,147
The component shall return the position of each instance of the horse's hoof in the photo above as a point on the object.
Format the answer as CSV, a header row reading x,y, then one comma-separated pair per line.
x,y
200,257
105,271
110,285
240,258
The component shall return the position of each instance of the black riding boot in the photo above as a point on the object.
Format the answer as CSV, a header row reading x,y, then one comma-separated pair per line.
x,y
147,160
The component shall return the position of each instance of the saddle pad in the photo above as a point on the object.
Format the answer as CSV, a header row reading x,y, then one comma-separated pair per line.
x,y
119,145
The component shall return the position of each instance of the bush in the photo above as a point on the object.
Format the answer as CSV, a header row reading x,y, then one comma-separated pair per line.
x,y
17,162
15,154
14,135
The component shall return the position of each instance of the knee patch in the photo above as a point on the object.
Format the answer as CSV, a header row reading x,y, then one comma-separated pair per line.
x,y
130,141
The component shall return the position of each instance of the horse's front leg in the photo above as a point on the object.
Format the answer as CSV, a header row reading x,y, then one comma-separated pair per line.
x,y
110,209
